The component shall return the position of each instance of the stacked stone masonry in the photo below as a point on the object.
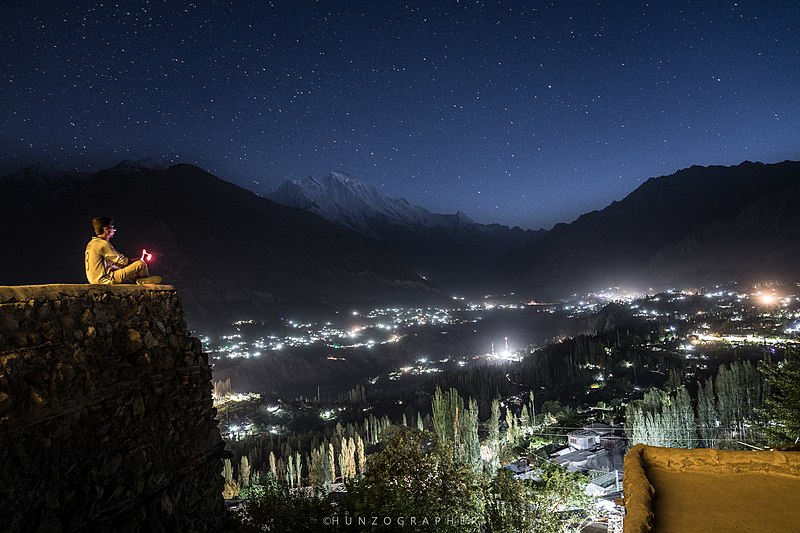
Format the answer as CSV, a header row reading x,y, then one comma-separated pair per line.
x,y
106,417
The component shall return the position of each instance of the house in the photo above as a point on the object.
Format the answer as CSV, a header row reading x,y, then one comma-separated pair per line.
x,y
593,447
583,439
521,468
589,436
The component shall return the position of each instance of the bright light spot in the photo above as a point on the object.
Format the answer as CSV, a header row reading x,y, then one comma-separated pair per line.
x,y
768,299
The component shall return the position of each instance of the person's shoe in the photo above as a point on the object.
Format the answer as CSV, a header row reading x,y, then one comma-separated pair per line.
x,y
152,280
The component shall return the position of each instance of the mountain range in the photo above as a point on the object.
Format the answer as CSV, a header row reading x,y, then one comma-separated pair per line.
x,y
701,225
224,247
343,243
451,251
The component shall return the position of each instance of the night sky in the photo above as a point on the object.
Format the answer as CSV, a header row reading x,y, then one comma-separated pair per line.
x,y
524,113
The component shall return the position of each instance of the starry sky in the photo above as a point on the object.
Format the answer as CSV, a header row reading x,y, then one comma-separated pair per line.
x,y
525,113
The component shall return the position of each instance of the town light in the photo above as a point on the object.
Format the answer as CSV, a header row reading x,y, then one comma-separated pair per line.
x,y
768,299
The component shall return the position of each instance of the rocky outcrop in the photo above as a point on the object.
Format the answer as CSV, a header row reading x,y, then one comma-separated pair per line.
x,y
106,416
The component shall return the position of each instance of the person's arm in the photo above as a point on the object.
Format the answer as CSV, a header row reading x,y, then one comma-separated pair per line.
x,y
145,257
111,255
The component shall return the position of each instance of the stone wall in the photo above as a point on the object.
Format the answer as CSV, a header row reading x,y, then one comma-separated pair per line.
x,y
106,417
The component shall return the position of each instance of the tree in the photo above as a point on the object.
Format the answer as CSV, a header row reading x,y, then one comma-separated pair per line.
x,y
512,423
227,470
331,464
231,488
783,401
347,459
662,419
298,469
707,415
361,457
740,394
273,465
493,437
272,507
244,471
559,501
457,427
222,388
447,408
507,504
556,502
470,441
290,472
413,476
322,471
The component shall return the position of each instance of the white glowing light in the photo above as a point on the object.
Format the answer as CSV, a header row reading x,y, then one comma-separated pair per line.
x,y
768,299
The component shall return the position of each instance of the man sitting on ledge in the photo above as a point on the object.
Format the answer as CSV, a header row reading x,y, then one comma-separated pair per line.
x,y
106,265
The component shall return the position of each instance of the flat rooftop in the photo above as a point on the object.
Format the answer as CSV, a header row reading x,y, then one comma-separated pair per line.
x,y
674,490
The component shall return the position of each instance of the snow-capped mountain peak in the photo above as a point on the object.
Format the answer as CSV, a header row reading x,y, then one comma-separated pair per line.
x,y
351,203
450,249
132,166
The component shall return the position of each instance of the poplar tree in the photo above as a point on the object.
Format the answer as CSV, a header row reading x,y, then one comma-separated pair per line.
x,y
524,419
741,393
783,401
330,478
290,472
316,474
227,470
273,467
494,436
512,433
244,471
469,437
662,419
347,462
447,407
361,457
231,488
707,415
298,468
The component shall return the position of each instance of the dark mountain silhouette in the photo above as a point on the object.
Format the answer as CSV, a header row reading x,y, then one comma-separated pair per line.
x,y
224,247
697,225
763,242
450,250
229,250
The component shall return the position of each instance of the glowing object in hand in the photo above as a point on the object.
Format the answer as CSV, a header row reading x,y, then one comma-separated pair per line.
x,y
146,256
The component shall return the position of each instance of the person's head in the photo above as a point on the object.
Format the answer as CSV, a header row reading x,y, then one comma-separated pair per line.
x,y
103,227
